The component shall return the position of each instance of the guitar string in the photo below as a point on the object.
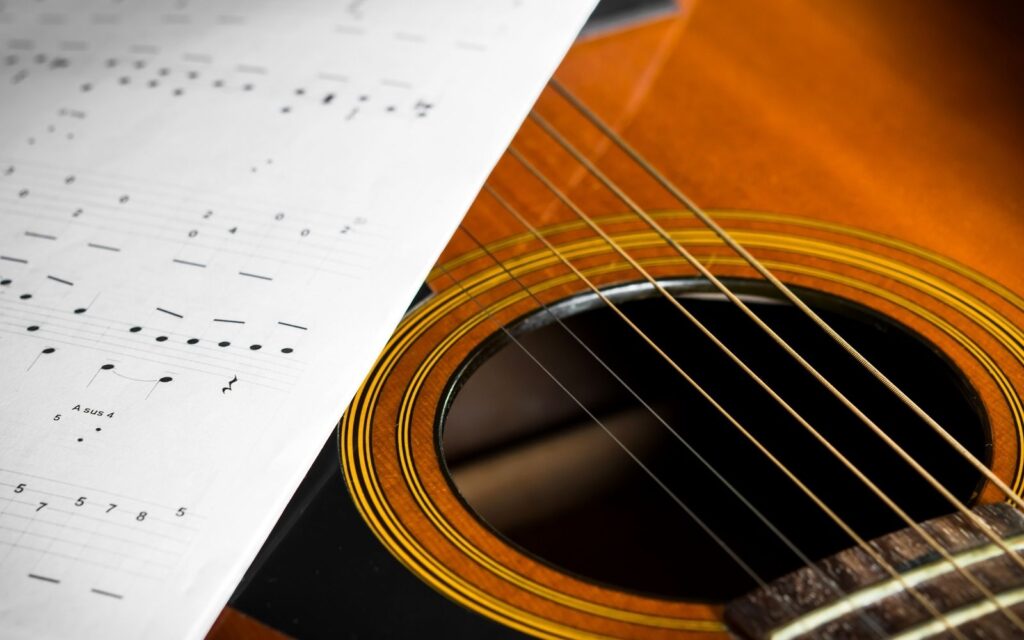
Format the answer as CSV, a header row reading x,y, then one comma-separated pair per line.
x,y
647,470
930,540
890,503
997,540
708,530
976,520
870,621
788,293
863,544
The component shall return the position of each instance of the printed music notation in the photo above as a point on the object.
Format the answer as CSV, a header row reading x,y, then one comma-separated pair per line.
x,y
48,527
212,215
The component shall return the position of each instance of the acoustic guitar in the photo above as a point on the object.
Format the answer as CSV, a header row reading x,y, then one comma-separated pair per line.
x,y
730,342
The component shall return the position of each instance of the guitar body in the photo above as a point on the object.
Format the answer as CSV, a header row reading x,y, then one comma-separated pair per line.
x,y
869,151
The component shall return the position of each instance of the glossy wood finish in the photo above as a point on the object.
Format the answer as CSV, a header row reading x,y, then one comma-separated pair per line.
x,y
904,118
900,119
235,625
865,148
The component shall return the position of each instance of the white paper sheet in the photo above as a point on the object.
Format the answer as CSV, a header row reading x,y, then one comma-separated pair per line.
x,y
212,215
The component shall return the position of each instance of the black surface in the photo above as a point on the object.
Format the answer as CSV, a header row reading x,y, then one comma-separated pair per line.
x,y
613,14
322,573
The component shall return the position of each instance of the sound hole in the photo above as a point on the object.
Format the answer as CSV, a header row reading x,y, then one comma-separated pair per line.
x,y
537,469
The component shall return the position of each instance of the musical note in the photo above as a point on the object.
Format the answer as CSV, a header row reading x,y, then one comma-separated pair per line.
x,y
108,367
134,177
45,352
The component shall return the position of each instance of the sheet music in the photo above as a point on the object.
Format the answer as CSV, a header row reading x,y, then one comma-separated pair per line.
x,y
212,215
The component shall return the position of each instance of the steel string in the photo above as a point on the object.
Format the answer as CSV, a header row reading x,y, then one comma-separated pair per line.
x,y
928,538
708,221
976,520
650,473
863,544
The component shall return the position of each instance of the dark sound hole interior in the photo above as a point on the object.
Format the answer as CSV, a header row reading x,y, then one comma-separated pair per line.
x,y
532,465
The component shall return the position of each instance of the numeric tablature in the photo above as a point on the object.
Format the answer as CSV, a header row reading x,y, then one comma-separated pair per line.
x,y
48,526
